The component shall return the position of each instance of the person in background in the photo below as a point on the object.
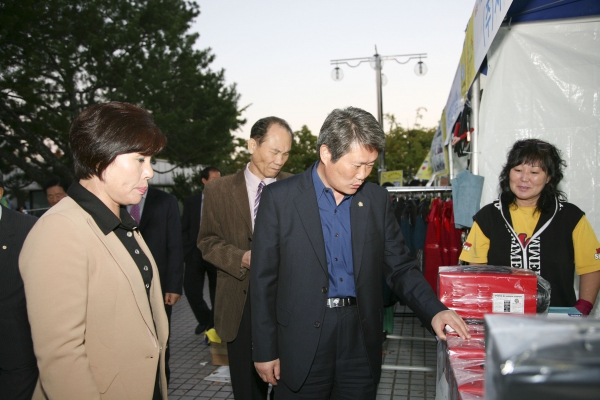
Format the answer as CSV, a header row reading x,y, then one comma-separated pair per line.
x,y
56,190
323,240
160,225
18,367
531,226
196,268
93,292
415,182
225,240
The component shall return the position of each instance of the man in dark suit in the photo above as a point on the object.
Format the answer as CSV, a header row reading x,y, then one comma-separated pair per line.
x,y
225,240
160,226
195,266
323,240
18,366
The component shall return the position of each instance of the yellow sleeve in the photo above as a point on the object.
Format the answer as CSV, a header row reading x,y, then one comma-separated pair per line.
x,y
587,248
475,249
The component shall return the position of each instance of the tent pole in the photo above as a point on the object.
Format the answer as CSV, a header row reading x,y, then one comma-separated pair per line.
x,y
475,100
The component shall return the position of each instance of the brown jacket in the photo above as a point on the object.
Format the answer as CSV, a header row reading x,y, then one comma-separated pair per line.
x,y
225,235
95,335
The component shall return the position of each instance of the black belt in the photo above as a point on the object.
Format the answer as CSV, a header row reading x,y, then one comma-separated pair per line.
x,y
334,302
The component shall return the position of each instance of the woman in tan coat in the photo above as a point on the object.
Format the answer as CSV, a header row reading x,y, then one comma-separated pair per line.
x,y
93,293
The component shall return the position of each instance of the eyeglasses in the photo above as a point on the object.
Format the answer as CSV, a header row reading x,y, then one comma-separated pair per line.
x,y
541,146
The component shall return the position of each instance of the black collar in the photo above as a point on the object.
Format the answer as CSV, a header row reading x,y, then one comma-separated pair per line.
x,y
107,221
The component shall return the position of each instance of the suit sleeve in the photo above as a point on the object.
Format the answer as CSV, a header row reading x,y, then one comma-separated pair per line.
x,y
174,249
263,280
403,276
212,239
54,267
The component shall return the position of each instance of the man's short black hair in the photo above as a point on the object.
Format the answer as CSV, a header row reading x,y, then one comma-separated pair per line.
x,y
205,174
260,128
56,181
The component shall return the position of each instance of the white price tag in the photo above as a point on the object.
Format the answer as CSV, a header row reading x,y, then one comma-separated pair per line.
x,y
508,303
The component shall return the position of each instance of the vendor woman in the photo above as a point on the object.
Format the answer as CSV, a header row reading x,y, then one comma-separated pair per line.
x,y
531,226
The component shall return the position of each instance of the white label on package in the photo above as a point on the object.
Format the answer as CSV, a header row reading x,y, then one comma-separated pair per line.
x,y
508,303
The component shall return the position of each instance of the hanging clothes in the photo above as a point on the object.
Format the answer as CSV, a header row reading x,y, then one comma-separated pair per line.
x,y
421,231
450,236
433,249
407,224
399,205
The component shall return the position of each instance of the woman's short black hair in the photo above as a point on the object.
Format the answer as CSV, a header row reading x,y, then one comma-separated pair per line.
x,y
103,131
541,154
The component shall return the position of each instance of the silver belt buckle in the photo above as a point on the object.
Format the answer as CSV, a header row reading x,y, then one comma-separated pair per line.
x,y
335,302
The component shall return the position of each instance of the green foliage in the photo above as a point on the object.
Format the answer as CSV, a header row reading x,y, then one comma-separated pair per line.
x,y
184,186
405,149
239,160
57,57
304,151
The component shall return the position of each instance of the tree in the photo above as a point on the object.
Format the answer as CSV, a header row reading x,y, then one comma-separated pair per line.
x,y
186,185
405,149
304,151
57,57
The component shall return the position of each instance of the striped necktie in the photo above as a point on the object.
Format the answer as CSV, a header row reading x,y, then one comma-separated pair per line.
x,y
261,185
135,212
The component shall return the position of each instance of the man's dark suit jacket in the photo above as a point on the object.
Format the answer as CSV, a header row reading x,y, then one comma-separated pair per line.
x,y
16,346
160,226
289,279
190,223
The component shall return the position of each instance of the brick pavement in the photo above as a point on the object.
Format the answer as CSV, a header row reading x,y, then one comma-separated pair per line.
x,y
191,361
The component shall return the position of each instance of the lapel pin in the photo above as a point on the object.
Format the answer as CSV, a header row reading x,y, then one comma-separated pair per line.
x,y
360,203
3,247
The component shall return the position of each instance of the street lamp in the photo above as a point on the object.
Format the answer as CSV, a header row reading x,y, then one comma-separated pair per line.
x,y
377,63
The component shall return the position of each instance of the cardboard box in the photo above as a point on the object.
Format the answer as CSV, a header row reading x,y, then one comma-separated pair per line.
x,y
473,291
219,353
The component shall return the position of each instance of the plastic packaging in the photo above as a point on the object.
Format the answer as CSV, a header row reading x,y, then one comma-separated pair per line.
x,y
473,291
538,357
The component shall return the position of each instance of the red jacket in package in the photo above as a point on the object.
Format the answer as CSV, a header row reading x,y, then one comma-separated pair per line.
x,y
473,291
465,376
473,349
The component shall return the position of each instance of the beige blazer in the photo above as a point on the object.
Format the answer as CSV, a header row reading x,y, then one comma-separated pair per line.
x,y
95,335
225,235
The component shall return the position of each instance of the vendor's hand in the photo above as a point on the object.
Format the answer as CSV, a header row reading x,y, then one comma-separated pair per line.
x,y
246,260
451,318
268,371
171,298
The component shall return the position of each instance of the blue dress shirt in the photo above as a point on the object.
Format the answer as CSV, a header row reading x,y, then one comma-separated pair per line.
x,y
335,221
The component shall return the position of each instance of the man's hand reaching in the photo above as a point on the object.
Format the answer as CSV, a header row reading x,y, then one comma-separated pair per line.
x,y
451,318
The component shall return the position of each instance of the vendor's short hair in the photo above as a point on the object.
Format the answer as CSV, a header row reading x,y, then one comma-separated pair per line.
x,y
104,131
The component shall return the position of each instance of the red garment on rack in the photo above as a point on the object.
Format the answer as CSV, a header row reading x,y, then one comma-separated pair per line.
x,y
451,245
432,252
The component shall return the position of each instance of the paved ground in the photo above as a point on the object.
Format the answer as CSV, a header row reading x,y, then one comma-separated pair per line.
x,y
191,361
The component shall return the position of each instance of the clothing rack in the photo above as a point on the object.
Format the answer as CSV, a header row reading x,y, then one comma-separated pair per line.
x,y
419,189
402,190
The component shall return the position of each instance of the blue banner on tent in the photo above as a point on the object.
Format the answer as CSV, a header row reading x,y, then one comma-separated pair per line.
x,y
538,10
